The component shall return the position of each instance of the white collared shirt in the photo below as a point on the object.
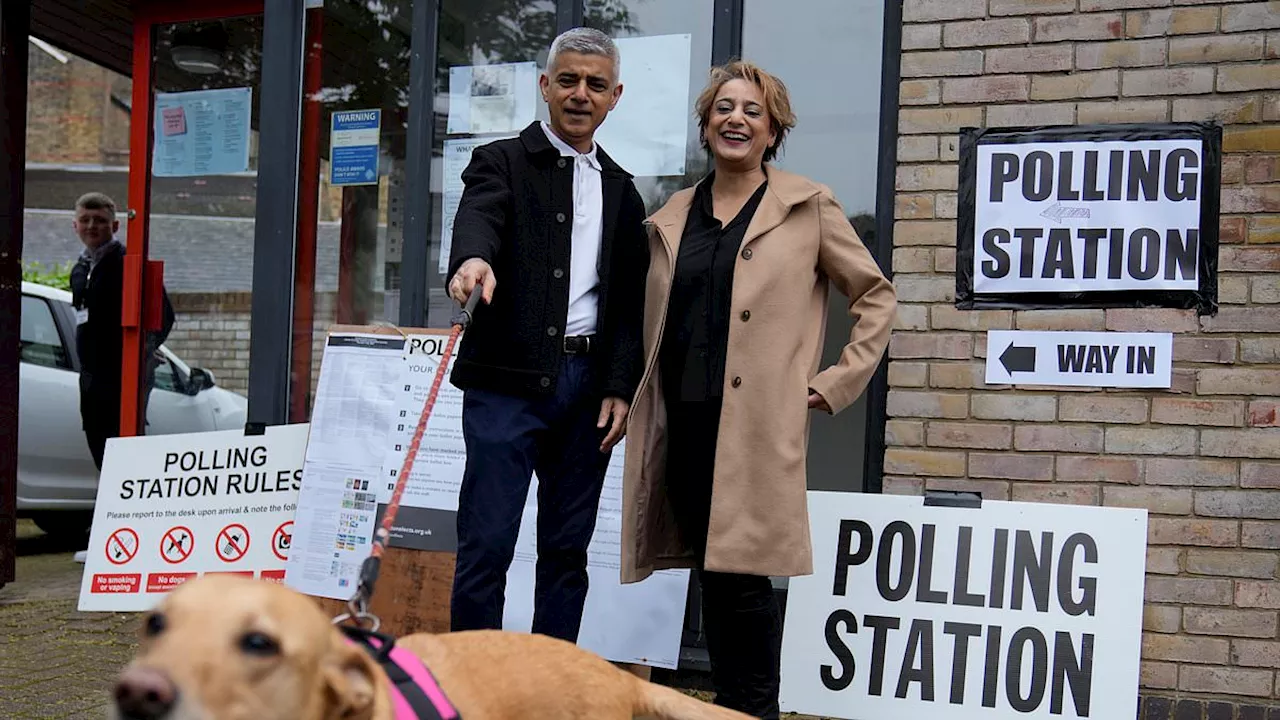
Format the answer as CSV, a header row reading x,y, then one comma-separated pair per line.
x,y
588,229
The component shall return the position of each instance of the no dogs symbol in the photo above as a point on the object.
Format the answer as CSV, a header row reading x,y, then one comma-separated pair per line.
x,y
177,544
282,539
232,543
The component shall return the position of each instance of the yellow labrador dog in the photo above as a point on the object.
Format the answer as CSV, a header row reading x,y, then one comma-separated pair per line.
x,y
233,648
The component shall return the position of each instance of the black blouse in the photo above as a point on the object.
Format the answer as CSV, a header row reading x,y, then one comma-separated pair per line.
x,y
694,342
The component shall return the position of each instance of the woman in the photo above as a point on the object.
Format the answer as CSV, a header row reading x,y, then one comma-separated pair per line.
x,y
735,311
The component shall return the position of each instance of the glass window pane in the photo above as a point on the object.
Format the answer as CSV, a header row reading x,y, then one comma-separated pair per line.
x,y
828,54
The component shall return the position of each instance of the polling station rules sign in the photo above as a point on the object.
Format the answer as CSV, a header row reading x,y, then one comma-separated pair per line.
x,y
1008,610
1089,216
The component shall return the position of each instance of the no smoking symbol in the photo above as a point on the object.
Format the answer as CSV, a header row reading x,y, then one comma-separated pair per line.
x,y
282,539
232,543
177,544
122,546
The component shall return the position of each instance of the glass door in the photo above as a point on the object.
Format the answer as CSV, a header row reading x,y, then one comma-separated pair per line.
x,y
191,207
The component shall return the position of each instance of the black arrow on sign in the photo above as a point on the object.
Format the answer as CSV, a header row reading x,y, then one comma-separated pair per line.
x,y
1018,359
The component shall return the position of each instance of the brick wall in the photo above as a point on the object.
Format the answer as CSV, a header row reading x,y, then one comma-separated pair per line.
x,y
1204,456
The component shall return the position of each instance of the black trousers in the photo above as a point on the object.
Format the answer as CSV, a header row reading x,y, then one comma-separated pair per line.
x,y
741,618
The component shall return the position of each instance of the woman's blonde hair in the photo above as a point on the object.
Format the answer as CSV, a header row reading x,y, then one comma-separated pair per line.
x,y
776,100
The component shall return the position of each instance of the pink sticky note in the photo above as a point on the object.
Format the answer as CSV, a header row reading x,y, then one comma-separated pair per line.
x,y
174,120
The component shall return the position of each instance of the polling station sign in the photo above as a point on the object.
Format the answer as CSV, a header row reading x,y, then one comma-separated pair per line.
x,y
1089,216
1089,359
1007,610
173,507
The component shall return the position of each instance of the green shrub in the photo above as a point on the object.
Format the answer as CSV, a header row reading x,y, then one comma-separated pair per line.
x,y
58,276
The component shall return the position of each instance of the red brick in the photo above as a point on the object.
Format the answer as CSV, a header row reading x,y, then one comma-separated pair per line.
x,y
1261,169
1225,680
1158,675
1121,53
1055,493
1011,466
1188,472
1247,504
1145,319
924,177
1250,16
1029,408
1161,618
1232,563
1060,319
1233,230
1249,259
1056,28
903,374
1231,623
1255,653
1192,531
1058,438
1264,595
1164,501
956,376
989,489
1100,469
1103,83
1260,350
1168,81
1151,441
1171,21
932,11
1100,408
940,63
899,433
1262,443
975,33
913,404
1182,648
1238,381
1215,49
1251,198
1204,350
898,461
942,346
1233,170
981,436
1186,411
1264,413
1260,475
1039,58
1265,535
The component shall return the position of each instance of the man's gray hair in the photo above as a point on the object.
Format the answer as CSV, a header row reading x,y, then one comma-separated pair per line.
x,y
586,41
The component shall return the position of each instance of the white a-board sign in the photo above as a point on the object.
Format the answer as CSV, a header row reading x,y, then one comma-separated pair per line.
x,y
1007,610
173,507
1092,359
1092,216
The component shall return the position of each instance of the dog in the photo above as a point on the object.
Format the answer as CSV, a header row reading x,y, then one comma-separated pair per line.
x,y
236,648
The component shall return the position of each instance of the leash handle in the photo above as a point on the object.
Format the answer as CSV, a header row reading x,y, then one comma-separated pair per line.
x,y
359,603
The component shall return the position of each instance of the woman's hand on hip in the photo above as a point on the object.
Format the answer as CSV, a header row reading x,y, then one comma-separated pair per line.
x,y
613,415
817,401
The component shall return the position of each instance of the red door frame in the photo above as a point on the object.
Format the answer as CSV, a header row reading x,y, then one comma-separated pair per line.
x,y
141,307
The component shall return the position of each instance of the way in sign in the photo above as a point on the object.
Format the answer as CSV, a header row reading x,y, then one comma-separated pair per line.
x,y
1092,359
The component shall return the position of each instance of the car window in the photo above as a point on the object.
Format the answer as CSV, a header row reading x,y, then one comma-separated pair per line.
x,y
41,341
166,378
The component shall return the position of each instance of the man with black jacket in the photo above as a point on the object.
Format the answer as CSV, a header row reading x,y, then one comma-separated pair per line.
x,y
552,229
97,292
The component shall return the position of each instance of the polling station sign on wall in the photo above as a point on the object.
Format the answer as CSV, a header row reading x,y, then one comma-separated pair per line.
x,y
173,507
1089,216
1008,610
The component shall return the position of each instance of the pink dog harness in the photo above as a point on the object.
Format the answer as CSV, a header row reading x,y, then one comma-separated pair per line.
x,y
414,691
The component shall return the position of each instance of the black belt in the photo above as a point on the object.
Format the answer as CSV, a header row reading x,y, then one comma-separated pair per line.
x,y
578,344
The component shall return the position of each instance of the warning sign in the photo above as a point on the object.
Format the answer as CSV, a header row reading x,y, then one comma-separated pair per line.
x,y
1092,359
177,544
281,540
232,543
174,507
122,546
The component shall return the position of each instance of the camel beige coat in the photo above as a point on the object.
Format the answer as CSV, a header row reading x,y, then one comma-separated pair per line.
x,y
798,238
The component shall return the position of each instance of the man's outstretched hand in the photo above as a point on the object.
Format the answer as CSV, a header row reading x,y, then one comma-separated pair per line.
x,y
613,414
473,272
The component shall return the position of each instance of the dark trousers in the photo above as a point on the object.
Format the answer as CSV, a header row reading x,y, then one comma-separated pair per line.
x,y
507,439
740,613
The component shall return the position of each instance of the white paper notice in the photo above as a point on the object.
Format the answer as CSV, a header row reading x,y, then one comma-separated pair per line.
x,y
492,98
637,623
457,155
360,375
647,134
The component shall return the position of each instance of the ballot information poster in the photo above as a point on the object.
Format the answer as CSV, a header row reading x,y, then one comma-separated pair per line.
x,y
173,507
999,611
368,404
1089,216
204,132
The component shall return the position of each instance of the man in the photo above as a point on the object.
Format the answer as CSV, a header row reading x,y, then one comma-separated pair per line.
x,y
97,291
552,230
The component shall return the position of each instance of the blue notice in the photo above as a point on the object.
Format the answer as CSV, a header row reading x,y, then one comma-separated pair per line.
x,y
354,139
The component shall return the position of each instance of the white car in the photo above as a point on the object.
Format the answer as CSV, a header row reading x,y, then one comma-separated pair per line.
x,y
57,480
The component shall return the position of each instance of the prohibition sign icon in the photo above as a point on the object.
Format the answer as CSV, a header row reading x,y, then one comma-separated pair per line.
x,y
232,542
177,544
282,539
122,546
